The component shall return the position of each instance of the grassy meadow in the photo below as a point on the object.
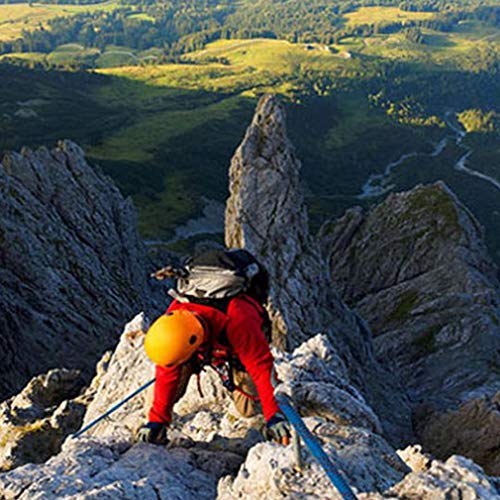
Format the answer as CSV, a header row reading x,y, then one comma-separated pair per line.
x,y
14,18
374,15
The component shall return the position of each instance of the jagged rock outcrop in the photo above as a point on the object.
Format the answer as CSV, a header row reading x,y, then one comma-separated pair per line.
x,y
270,475
266,215
417,269
214,453
34,424
458,477
72,267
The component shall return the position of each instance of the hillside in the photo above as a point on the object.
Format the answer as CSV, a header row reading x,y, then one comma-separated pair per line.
x,y
157,95
17,18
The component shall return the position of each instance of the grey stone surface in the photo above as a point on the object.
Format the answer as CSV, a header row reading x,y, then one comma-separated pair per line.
x,y
416,268
472,429
457,478
266,215
34,424
72,267
209,439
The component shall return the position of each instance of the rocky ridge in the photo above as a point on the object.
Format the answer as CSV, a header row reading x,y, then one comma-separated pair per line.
x,y
213,453
416,268
266,214
72,267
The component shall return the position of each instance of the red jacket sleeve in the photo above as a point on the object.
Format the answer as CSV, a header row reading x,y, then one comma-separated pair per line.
x,y
244,333
165,392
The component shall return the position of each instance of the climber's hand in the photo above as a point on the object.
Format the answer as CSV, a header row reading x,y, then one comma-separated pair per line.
x,y
278,430
152,432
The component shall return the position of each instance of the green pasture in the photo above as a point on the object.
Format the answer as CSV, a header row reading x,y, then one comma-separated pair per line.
x,y
14,18
379,14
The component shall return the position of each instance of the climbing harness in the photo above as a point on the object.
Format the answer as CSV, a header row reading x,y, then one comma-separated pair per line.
x,y
314,447
113,409
225,372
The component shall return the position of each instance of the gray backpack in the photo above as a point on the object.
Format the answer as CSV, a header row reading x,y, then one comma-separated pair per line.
x,y
217,275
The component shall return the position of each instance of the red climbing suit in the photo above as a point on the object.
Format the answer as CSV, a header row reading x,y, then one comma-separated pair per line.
x,y
242,324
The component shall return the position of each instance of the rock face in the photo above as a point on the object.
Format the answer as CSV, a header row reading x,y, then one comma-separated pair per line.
x,y
214,453
72,268
266,215
417,269
34,424
472,430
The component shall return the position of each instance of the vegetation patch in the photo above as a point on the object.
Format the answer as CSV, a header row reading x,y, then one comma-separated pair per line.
x,y
475,120
426,342
404,307
17,18
377,15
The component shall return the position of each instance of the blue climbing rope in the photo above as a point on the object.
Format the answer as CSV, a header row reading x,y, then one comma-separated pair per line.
x,y
314,447
113,408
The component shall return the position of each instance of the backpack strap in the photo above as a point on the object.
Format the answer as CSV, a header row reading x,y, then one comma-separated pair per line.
x,y
177,296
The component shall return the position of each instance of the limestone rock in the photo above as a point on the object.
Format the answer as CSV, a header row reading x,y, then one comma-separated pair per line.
x,y
269,472
417,269
369,464
266,215
72,267
318,382
457,478
415,458
109,469
471,430
208,439
120,374
34,424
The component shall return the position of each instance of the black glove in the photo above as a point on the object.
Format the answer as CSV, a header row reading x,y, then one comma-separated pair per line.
x,y
277,429
152,432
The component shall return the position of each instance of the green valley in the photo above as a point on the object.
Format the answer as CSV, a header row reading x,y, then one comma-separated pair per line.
x,y
371,90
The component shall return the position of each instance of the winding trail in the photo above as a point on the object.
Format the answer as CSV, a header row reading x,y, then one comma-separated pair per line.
x,y
379,184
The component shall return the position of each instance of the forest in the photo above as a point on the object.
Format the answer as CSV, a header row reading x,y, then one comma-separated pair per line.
x,y
180,27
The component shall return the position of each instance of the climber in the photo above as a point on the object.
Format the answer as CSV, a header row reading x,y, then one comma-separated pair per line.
x,y
217,320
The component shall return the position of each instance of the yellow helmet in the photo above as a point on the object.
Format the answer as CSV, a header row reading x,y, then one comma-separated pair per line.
x,y
174,337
